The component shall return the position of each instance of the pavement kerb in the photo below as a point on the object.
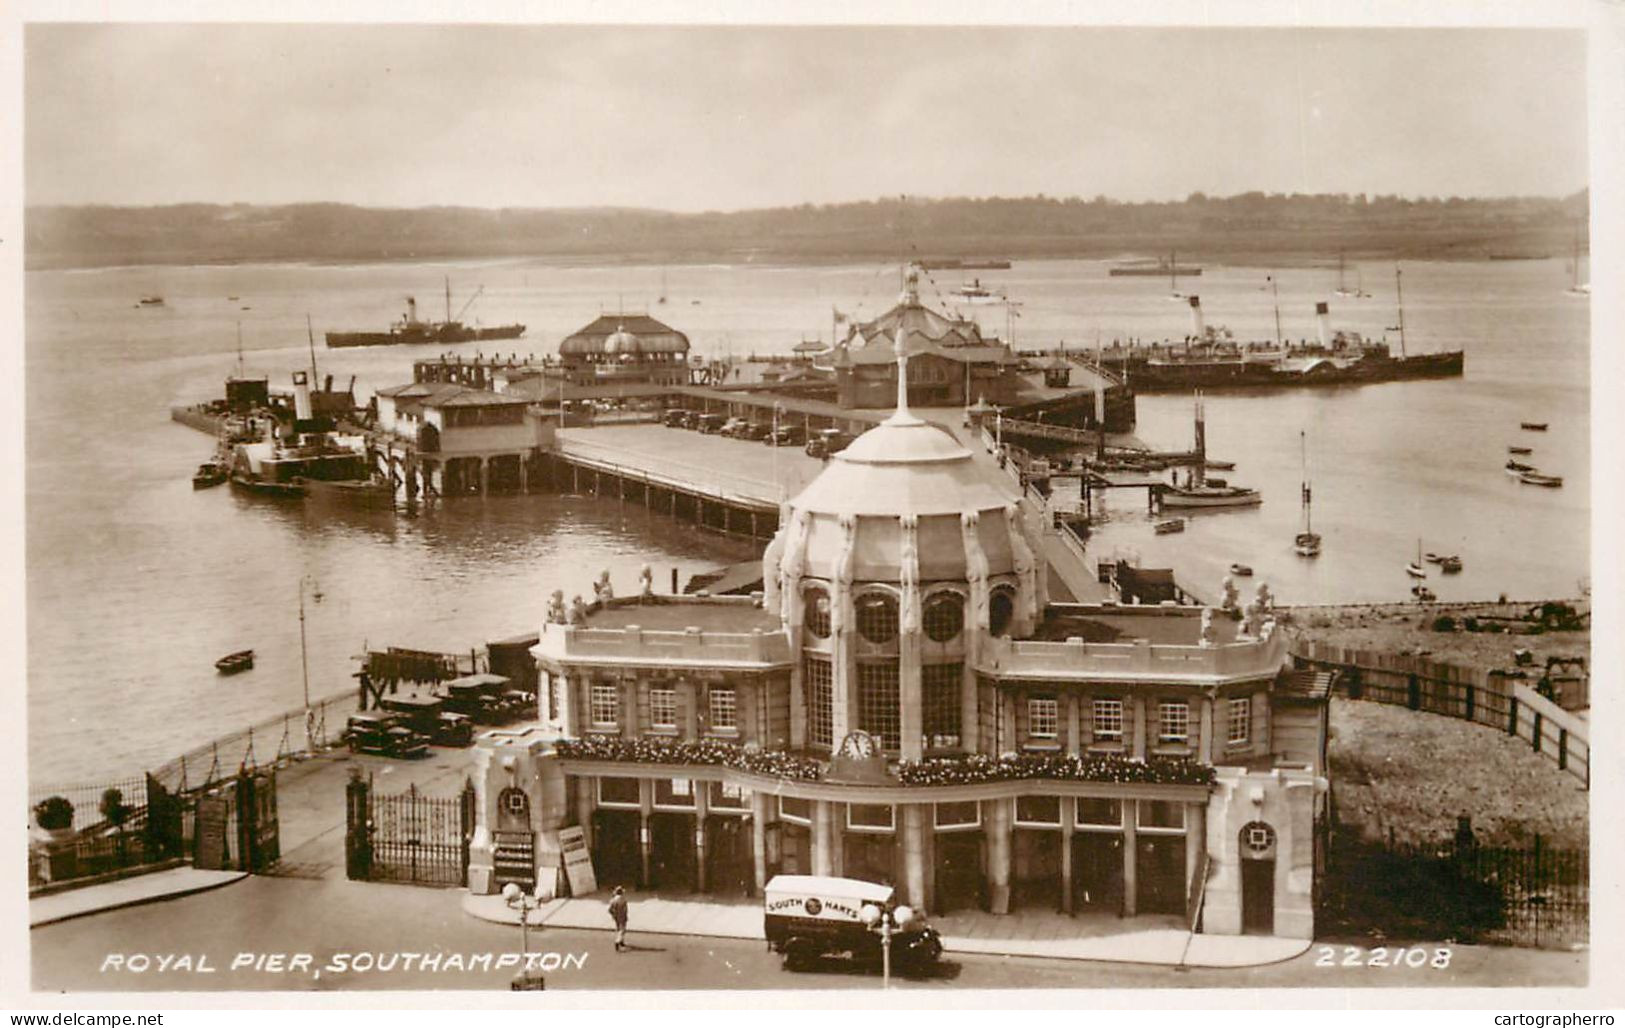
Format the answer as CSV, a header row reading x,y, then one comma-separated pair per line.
x,y
225,879
493,910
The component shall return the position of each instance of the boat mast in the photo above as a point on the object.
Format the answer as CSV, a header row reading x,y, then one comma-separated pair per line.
x,y
239,349
1308,521
1276,294
448,297
1400,292
1341,287
1173,270
310,335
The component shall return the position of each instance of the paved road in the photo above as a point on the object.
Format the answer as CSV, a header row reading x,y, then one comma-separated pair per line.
x,y
336,921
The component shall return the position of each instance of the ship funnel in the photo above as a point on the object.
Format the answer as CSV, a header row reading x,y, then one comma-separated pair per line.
x,y
1323,323
301,396
1197,329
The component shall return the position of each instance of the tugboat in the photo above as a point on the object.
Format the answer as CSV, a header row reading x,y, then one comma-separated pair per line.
x,y
232,663
209,473
411,330
1201,491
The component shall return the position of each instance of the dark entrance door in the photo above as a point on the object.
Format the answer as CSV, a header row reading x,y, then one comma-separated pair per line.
x,y
1036,877
1258,897
672,862
730,867
1097,872
959,884
795,849
1160,871
616,855
870,857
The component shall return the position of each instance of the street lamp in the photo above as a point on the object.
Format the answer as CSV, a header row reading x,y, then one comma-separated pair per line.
x,y
886,923
514,896
777,408
304,658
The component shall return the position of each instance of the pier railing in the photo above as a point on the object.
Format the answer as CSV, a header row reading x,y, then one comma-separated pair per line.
x,y
268,743
690,478
1483,697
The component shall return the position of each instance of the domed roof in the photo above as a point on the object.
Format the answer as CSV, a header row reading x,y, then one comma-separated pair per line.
x,y
904,466
621,341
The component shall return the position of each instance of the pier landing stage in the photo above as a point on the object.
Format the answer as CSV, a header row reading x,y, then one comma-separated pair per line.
x,y
736,469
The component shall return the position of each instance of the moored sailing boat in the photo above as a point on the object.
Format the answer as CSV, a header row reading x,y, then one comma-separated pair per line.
x,y
1307,542
1415,568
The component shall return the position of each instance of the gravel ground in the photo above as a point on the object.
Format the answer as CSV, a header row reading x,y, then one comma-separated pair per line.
x,y
1415,773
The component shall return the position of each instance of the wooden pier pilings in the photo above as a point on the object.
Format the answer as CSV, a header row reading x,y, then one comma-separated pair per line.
x,y
696,503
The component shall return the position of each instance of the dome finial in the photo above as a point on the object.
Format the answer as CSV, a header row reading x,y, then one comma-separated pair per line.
x,y
903,416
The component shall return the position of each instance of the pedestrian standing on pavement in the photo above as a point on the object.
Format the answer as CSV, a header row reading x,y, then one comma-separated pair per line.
x,y
617,913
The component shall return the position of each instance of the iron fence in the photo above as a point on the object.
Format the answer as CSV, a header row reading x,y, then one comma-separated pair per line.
x,y
412,838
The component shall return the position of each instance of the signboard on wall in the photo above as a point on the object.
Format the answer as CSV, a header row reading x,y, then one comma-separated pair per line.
x,y
577,861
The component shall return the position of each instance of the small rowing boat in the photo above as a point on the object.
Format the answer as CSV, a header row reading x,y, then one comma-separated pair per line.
x,y
1518,467
1549,481
1241,570
1520,451
1532,426
232,663
1170,526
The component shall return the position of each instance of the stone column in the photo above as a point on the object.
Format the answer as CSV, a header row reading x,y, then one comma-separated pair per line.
x,y
911,721
998,819
646,803
970,719
586,803
1071,744
1206,736
914,862
1195,845
702,804
823,838
758,837
524,473
1139,727
1131,844
485,475
1069,806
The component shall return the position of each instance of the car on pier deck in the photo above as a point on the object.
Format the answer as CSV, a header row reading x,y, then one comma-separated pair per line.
x,y
784,435
383,733
426,716
710,424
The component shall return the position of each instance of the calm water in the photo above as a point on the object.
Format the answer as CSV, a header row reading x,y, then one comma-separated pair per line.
x,y
136,584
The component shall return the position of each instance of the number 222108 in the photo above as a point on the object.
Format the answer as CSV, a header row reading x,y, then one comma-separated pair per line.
x,y
1382,956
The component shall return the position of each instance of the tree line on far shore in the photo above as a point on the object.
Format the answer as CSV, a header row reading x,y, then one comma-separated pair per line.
x,y
1249,227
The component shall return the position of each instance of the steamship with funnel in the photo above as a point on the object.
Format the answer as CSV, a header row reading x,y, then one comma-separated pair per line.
x,y
410,329
304,457
1212,359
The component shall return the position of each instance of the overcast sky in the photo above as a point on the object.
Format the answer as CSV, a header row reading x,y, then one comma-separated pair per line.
x,y
725,118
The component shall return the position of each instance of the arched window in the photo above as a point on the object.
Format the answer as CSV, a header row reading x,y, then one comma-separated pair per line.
x,y
1001,607
944,616
816,616
877,617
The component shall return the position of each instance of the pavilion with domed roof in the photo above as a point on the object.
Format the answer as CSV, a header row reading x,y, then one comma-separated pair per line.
x,y
904,703
625,348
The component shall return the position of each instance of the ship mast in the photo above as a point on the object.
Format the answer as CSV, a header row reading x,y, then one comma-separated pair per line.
x,y
448,298
1400,292
1275,293
310,334
239,349
1308,523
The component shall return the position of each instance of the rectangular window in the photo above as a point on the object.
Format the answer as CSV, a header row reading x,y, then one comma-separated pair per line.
x,y
794,810
606,705
674,792
820,684
552,697
1094,810
880,703
723,709
1108,720
1173,722
1038,810
1043,717
663,708
1241,721
1161,814
869,815
728,797
618,792
964,814
941,688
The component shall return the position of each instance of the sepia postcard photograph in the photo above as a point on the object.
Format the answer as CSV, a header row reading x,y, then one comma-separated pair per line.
x,y
946,506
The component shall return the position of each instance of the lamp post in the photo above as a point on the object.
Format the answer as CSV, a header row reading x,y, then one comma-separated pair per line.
x,y
525,903
304,658
885,923
777,408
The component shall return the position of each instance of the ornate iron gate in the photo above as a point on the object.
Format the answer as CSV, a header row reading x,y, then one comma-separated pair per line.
x,y
408,837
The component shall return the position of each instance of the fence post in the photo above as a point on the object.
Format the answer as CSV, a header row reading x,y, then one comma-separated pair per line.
x,y
1413,692
357,841
1472,704
1562,749
468,812
1536,733
1512,716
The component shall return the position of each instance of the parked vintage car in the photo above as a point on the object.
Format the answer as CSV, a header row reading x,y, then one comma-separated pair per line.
x,y
426,716
806,917
384,733
827,443
676,417
754,431
786,435
733,427
710,424
518,705
476,696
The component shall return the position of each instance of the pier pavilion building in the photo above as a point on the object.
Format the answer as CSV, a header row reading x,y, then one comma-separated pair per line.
x,y
625,349
904,703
